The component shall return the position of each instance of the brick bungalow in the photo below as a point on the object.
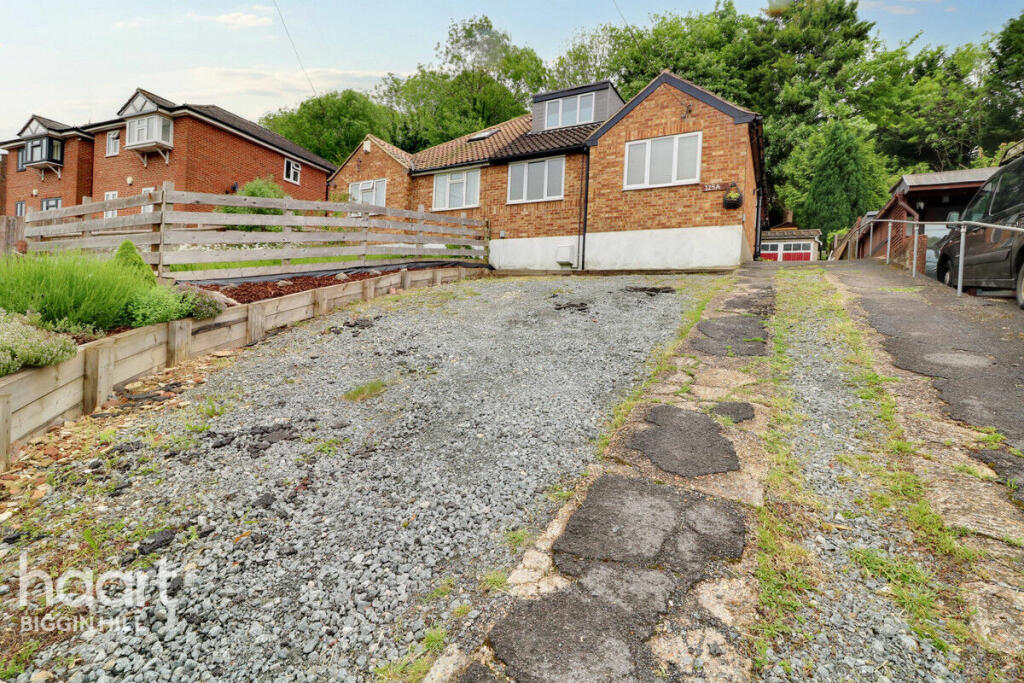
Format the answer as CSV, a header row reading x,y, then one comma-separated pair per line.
x,y
201,147
587,181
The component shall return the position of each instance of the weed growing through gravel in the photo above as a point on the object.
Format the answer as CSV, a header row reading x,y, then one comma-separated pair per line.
x,y
366,391
433,640
212,408
442,590
494,581
558,494
461,611
517,539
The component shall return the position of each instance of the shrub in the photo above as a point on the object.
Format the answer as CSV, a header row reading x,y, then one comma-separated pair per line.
x,y
22,345
258,187
69,289
201,305
156,305
128,257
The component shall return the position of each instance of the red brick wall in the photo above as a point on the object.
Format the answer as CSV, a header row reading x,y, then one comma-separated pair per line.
x,y
75,180
725,158
374,165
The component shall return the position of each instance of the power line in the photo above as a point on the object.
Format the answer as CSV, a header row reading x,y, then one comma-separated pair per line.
x,y
294,49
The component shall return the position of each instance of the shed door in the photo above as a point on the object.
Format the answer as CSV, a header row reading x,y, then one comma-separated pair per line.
x,y
770,252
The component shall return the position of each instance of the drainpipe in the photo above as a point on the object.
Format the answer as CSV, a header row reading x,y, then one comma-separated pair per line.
x,y
757,225
586,202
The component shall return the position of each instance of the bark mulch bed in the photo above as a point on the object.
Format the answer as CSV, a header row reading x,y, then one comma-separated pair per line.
x,y
247,292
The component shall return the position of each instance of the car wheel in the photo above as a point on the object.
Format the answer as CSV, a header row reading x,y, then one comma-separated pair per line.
x,y
945,275
1020,286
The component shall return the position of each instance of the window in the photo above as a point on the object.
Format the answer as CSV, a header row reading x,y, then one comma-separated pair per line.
x,y
50,203
659,162
292,171
113,143
569,111
19,208
146,208
368,192
769,247
34,151
145,130
21,158
106,196
536,181
978,208
1011,188
457,190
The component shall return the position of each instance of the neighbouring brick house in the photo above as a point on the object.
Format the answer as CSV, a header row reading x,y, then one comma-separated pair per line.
x,y
200,147
587,181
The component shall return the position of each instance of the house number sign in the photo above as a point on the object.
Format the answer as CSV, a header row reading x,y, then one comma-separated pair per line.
x,y
713,187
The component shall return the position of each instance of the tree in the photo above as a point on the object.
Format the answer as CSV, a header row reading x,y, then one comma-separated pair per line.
x,y
333,124
1005,85
835,175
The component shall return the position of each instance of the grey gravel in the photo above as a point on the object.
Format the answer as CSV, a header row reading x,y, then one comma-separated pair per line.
x,y
851,630
315,525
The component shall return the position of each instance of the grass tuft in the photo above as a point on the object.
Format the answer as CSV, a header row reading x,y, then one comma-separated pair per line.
x,y
366,391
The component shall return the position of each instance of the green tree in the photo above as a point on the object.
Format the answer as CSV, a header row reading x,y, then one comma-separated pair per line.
x,y
1005,86
835,175
332,124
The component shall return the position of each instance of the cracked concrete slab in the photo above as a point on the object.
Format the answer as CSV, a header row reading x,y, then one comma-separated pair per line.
x,y
569,637
1009,467
737,411
640,592
684,442
995,614
477,673
990,513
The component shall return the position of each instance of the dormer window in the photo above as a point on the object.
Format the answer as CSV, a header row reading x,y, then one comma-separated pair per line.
x,y
569,111
152,132
43,153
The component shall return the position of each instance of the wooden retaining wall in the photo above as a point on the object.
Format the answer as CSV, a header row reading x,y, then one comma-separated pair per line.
x,y
34,399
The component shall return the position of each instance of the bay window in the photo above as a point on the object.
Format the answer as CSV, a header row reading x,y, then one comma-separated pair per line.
x,y
153,129
457,190
536,181
660,162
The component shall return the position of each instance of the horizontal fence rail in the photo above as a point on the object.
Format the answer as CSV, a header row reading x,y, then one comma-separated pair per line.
x,y
193,236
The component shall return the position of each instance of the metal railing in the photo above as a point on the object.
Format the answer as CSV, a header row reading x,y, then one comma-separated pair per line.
x,y
853,240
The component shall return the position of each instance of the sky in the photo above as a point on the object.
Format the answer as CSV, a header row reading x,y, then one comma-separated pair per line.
x,y
77,61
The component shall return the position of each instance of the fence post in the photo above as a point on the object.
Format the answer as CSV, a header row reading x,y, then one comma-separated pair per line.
x,y
168,186
487,241
286,229
420,245
99,376
436,278
17,235
6,228
321,304
179,341
960,265
254,324
368,288
5,432
406,278
914,273
888,244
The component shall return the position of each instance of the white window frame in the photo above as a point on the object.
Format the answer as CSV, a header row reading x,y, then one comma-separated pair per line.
x,y
113,143
770,246
19,208
147,208
462,176
110,194
132,130
675,161
368,184
291,165
579,101
43,203
525,165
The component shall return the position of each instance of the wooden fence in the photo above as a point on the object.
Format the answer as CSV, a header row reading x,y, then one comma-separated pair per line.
x,y
33,399
183,235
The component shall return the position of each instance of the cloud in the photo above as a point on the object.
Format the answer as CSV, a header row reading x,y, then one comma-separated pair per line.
x,y
234,19
902,8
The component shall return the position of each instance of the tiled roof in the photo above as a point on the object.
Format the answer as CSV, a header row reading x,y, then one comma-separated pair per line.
x,y
400,155
50,124
260,133
511,140
157,100
967,175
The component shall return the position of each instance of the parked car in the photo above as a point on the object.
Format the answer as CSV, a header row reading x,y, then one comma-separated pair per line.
x,y
993,257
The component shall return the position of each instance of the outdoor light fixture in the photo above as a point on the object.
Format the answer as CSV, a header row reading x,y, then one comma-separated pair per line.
x,y
129,180
35,193
920,206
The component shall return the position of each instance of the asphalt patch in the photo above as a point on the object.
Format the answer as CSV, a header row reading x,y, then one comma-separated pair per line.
x,y
477,673
759,302
1009,467
570,636
684,442
580,306
731,335
737,411
650,291
640,524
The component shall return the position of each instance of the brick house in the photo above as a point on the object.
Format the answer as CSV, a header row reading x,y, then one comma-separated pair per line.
x,y
201,148
587,181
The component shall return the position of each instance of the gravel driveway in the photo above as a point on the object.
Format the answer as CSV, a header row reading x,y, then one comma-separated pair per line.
x,y
315,525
